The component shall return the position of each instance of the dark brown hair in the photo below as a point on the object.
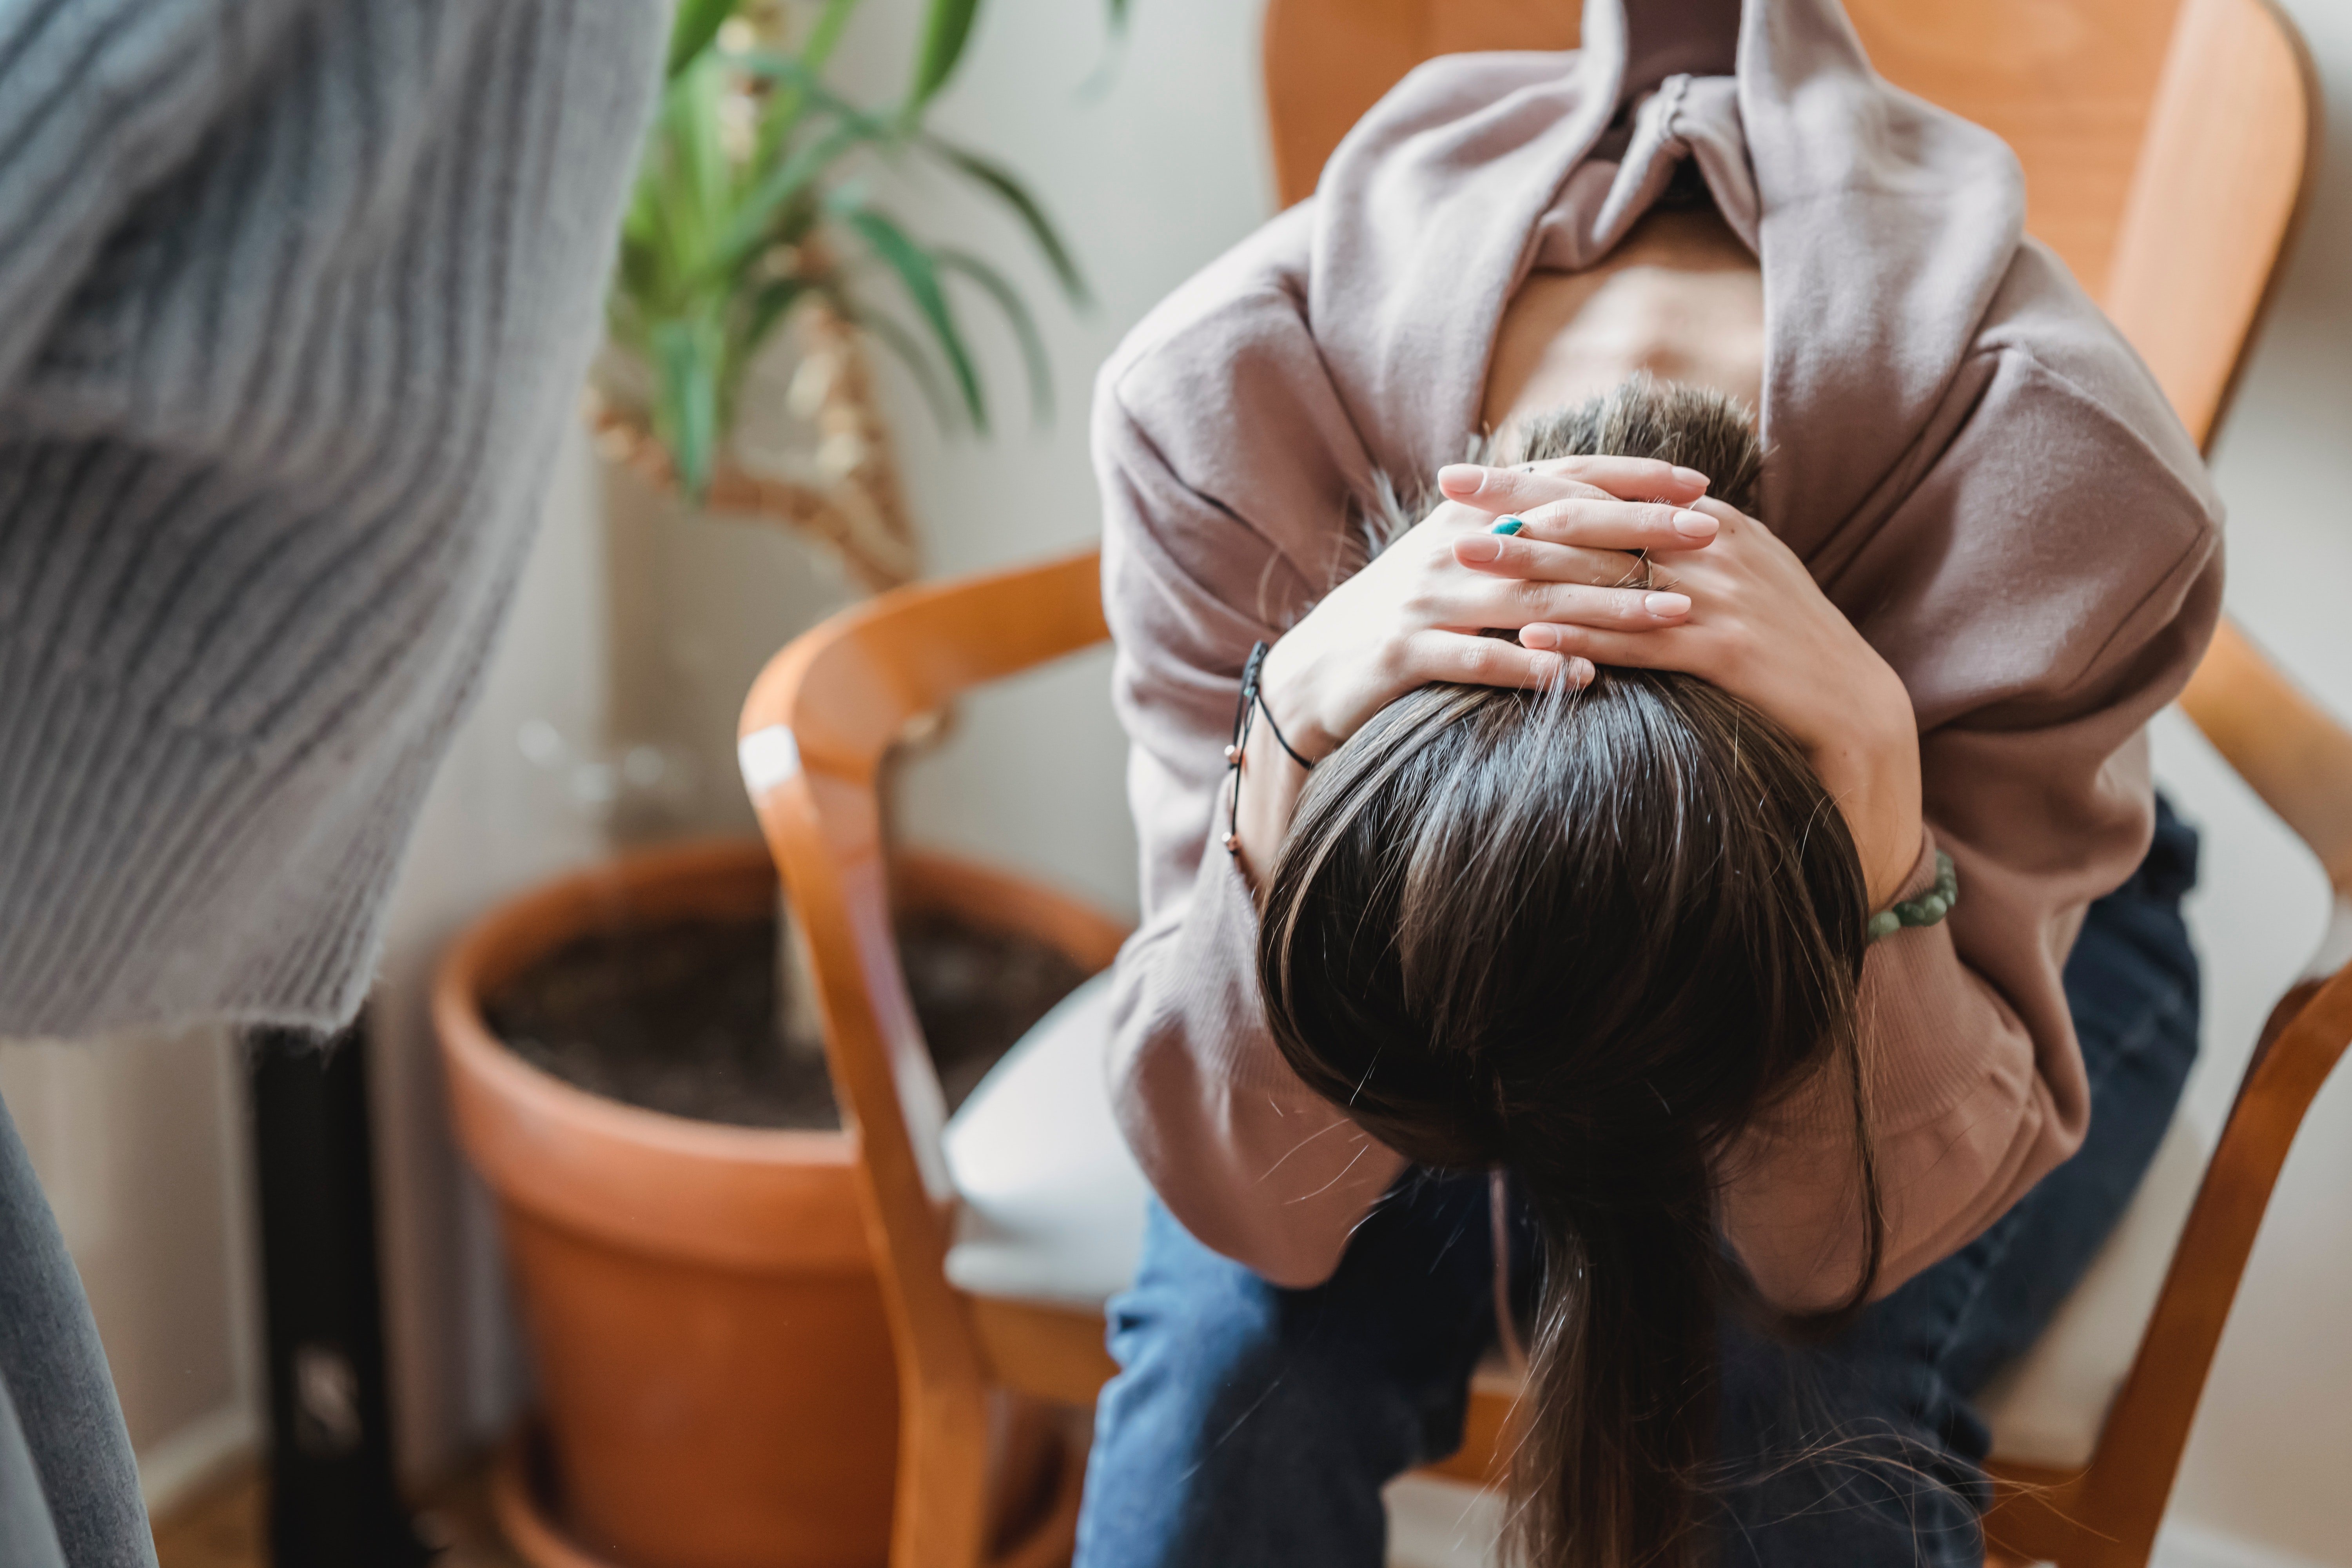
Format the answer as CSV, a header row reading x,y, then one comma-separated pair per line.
x,y
1589,937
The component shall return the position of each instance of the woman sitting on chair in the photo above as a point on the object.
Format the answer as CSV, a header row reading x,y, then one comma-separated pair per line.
x,y
1775,903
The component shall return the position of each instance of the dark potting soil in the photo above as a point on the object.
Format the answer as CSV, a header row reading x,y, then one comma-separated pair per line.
x,y
682,1016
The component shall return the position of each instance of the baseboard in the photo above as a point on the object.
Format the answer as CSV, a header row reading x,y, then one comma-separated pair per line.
x,y
1441,1524
195,1455
2192,1546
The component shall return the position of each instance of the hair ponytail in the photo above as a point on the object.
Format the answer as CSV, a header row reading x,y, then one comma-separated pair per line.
x,y
1618,1416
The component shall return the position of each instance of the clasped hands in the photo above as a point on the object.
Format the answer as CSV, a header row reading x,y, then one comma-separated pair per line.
x,y
1720,598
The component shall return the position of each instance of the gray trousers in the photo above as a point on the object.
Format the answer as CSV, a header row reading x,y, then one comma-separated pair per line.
x,y
68,1484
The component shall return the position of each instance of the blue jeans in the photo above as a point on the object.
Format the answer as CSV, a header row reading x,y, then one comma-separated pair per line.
x,y
1251,1424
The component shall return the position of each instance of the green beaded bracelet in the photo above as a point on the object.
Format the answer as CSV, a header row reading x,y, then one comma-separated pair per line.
x,y
1927,909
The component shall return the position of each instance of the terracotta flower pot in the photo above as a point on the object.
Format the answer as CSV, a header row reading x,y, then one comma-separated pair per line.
x,y
714,1365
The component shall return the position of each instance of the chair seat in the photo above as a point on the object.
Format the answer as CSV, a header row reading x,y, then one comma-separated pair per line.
x,y
1053,1212
1053,1201
2048,1407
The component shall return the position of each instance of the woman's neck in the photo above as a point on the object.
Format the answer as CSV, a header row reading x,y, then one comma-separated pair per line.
x,y
1681,298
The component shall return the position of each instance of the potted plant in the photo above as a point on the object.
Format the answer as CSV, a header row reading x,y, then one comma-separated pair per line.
x,y
714,1369
748,217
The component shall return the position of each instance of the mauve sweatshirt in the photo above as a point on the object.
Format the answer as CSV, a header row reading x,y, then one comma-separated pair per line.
x,y
1974,467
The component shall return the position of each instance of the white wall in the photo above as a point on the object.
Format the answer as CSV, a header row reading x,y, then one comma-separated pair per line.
x,y
494,824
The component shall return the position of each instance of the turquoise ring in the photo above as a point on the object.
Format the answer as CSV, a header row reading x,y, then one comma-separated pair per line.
x,y
1510,525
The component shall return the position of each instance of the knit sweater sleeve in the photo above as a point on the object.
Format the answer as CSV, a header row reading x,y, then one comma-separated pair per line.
x,y
295,300
100,100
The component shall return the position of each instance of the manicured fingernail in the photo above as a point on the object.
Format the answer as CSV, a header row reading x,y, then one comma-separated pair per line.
x,y
1479,547
1539,637
1664,605
1695,525
1510,525
1690,477
1460,478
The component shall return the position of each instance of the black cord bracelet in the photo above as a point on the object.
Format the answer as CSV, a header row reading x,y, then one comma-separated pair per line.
x,y
1244,715
1252,694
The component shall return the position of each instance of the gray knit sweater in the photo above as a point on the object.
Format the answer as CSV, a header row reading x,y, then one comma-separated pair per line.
x,y
295,296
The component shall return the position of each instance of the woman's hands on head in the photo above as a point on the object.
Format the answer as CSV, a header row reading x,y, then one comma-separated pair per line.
x,y
1754,623
1415,613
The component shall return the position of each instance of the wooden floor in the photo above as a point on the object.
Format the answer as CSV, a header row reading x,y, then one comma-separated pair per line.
x,y
222,1527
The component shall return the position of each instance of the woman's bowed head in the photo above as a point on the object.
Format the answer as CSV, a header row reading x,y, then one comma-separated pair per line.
x,y
1630,556
1588,930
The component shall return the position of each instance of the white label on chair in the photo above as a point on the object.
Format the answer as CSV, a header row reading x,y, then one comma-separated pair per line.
x,y
768,757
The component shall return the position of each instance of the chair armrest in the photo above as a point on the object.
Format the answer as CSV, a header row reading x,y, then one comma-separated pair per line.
x,y
2292,752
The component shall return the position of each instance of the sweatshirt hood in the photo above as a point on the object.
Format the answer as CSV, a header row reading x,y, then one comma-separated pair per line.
x,y
1476,169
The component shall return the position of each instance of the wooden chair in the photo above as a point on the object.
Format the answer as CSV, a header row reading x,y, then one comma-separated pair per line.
x,y
2166,148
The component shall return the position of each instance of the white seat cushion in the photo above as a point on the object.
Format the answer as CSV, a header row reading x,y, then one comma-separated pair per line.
x,y
1053,1201
2049,1408
1053,1211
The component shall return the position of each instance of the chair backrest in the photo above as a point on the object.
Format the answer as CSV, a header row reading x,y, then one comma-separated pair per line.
x,y
2165,142
815,729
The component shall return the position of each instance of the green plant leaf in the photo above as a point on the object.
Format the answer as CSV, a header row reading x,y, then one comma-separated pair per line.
x,y
797,88
685,400
1007,188
827,32
893,335
946,26
750,228
696,293
639,271
784,106
738,336
697,22
797,74
918,273
693,185
1034,359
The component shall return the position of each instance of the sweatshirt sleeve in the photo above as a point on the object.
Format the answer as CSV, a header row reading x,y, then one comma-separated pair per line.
x,y
1249,1160
2044,588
